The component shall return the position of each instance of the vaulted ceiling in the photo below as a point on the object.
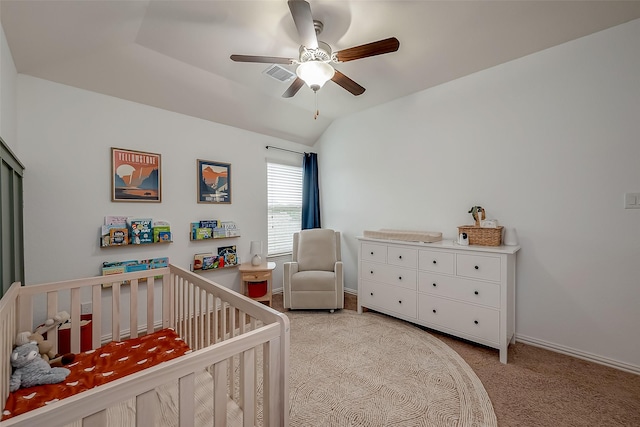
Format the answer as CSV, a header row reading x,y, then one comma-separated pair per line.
x,y
175,55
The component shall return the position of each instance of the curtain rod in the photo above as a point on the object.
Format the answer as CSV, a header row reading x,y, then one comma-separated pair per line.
x,y
284,149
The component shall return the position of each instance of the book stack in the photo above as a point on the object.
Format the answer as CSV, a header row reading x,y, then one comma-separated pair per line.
x,y
225,257
122,230
115,231
213,229
109,268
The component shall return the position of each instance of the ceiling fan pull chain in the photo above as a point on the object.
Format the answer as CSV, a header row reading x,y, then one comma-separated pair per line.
x,y
315,116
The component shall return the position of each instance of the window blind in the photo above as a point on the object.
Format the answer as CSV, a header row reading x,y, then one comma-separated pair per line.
x,y
284,203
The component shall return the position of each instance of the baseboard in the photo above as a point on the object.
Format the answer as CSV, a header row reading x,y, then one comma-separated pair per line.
x,y
612,363
346,291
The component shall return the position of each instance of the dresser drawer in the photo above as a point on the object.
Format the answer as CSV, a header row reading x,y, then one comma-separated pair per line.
x,y
389,274
478,322
403,257
436,261
392,298
478,267
484,293
375,253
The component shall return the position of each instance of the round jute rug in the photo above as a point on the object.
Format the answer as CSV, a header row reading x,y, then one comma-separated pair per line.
x,y
350,369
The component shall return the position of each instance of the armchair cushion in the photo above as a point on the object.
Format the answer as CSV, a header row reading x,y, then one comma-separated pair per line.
x,y
317,250
313,281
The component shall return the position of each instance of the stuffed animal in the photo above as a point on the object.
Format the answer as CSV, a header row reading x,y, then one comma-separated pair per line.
x,y
45,348
57,320
31,370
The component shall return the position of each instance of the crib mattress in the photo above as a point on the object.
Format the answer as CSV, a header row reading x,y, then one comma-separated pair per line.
x,y
96,367
404,235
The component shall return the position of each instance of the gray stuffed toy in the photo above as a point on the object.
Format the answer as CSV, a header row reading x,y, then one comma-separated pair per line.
x,y
30,369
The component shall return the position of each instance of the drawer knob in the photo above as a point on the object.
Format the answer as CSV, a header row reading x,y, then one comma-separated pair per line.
x,y
371,271
399,302
371,252
371,293
476,267
475,321
400,257
476,292
399,277
434,285
434,310
434,261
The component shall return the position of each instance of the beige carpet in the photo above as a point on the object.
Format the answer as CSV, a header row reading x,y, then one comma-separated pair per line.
x,y
372,370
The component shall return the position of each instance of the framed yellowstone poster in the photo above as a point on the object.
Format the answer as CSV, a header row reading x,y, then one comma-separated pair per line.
x,y
214,182
135,176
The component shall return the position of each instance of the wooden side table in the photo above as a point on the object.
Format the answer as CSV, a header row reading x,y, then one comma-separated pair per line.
x,y
250,273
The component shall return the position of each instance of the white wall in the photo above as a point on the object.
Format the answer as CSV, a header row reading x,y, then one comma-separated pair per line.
x,y
8,77
66,135
548,144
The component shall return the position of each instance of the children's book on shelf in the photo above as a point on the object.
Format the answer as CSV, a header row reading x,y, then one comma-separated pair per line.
x,y
209,223
203,233
211,262
198,260
228,254
141,230
161,231
118,236
115,220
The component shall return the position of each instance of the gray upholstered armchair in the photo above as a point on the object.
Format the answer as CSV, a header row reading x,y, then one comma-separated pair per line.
x,y
314,279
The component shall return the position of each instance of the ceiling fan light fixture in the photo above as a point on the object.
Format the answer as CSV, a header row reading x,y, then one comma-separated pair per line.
x,y
315,73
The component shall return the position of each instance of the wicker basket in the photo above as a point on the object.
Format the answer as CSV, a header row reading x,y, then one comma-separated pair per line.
x,y
482,236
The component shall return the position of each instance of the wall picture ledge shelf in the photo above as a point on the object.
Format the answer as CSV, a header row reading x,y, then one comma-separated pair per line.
x,y
211,238
213,269
132,245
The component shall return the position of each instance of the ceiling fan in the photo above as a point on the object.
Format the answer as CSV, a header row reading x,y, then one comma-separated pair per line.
x,y
314,67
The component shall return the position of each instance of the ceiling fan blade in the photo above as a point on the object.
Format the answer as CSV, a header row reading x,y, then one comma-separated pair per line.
x,y
262,59
294,88
370,49
301,13
347,83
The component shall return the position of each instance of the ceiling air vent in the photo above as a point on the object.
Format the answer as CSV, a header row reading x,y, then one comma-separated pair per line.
x,y
279,73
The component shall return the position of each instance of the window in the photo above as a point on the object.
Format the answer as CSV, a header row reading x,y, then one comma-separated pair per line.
x,y
284,205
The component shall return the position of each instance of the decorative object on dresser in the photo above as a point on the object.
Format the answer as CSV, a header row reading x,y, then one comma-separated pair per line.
x,y
256,253
314,279
488,235
464,291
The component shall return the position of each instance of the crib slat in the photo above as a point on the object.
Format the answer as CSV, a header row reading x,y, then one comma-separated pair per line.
x,y
168,295
96,316
133,308
220,393
75,321
248,387
150,304
115,311
99,419
52,309
146,409
187,400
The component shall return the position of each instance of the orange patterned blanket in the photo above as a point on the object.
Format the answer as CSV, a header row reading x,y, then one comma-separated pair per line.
x,y
96,367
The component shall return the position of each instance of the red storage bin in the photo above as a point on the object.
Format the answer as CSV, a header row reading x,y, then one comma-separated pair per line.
x,y
64,337
257,289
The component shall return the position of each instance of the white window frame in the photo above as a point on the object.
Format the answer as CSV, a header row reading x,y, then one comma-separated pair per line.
x,y
287,197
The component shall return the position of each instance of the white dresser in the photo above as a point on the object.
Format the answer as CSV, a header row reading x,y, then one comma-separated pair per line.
x,y
466,291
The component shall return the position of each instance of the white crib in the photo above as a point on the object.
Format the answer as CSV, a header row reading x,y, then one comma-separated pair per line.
x,y
243,344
